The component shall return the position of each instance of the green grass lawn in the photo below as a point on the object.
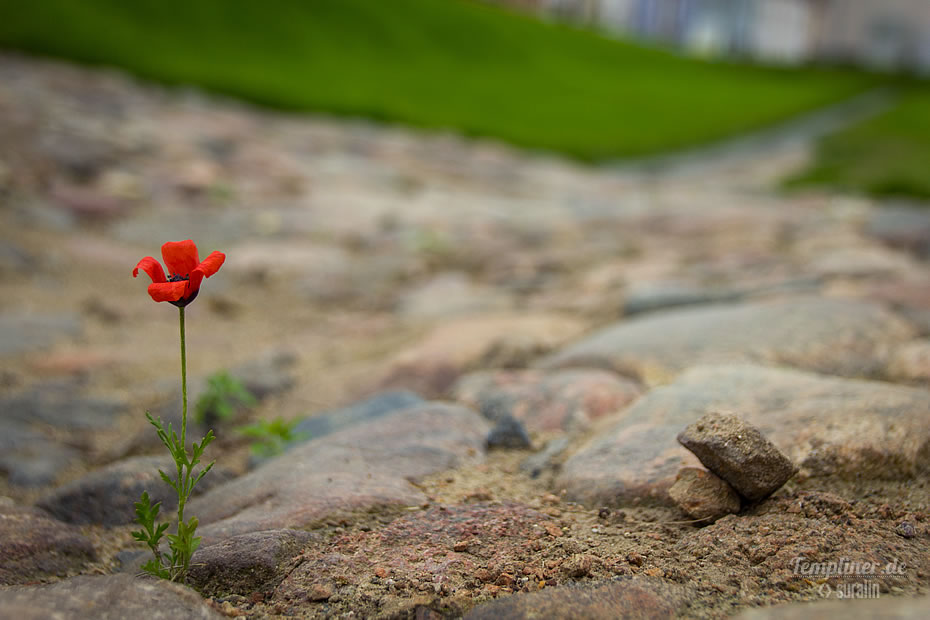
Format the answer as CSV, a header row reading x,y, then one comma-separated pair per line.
x,y
888,155
430,63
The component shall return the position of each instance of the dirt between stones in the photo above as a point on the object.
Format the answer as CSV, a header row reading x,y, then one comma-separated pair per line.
x,y
489,531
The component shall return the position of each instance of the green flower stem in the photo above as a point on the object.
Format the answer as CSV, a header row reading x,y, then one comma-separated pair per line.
x,y
181,496
184,543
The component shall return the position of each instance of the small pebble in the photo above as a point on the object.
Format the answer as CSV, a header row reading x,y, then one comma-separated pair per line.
x,y
508,433
319,592
702,495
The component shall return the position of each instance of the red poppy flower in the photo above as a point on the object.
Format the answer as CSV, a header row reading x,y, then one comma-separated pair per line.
x,y
185,272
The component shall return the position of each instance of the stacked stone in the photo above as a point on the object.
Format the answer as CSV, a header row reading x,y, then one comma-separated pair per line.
x,y
742,463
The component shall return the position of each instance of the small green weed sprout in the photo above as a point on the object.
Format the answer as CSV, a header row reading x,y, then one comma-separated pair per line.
x,y
272,436
224,393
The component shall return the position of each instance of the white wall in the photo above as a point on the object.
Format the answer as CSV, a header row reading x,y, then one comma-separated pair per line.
x,y
616,14
782,31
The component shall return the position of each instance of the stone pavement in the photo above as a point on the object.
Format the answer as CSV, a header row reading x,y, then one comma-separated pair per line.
x,y
408,291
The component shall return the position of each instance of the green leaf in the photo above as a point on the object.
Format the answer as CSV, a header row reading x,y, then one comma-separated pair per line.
x,y
168,481
203,473
194,544
154,568
208,439
252,430
146,513
182,459
273,436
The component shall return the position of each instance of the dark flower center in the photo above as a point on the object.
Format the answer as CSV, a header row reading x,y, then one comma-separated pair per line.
x,y
174,277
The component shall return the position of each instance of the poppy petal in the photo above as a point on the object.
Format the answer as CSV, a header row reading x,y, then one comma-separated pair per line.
x,y
152,267
168,291
180,257
212,263
193,285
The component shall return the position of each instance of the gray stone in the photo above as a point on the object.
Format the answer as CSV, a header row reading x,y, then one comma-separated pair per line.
x,y
301,257
327,422
151,228
20,333
919,318
63,406
380,404
621,598
267,375
356,469
30,458
369,282
651,296
509,432
107,496
80,156
833,336
737,452
15,259
131,560
826,425
245,564
901,227
35,547
861,262
108,597
450,294
888,607
702,495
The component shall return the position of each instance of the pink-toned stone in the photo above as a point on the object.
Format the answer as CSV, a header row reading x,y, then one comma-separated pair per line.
x,y
453,545
431,366
703,495
829,426
86,201
560,400
255,562
913,292
351,471
34,547
911,362
106,596
626,598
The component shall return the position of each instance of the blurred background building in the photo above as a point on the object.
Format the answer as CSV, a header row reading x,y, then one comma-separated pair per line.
x,y
879,34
